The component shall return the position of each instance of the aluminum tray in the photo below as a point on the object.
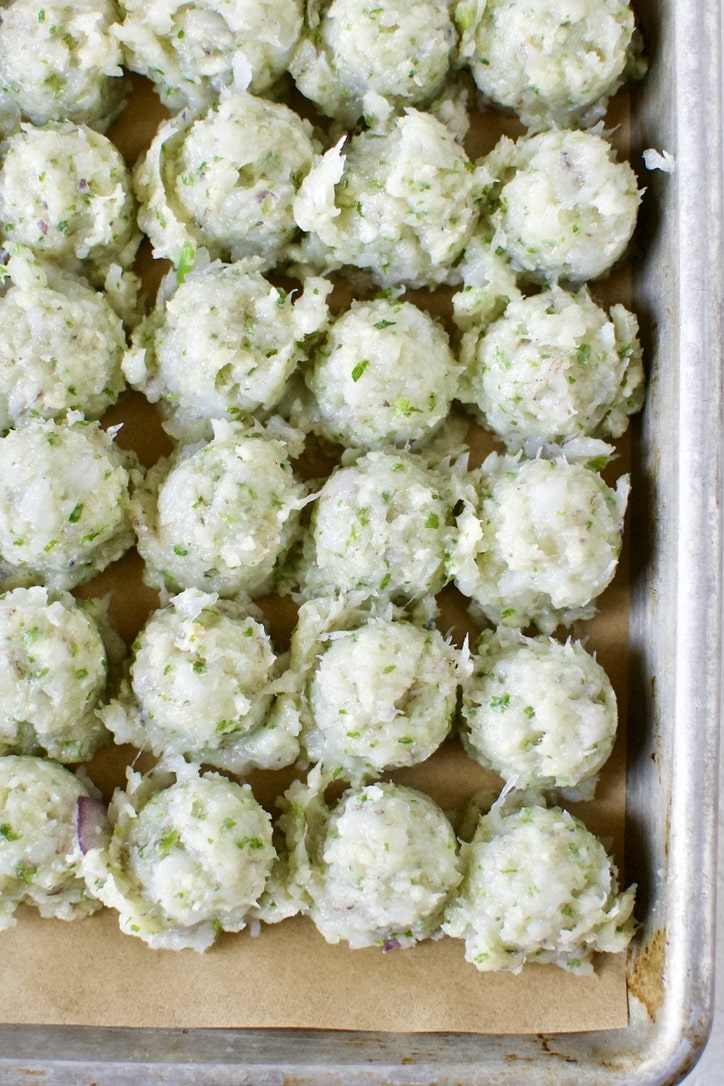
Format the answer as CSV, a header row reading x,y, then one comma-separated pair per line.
x,y
675,682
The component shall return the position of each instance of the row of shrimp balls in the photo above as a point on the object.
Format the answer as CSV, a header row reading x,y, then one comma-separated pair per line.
x,y
365,688
226,344
184,855
528,541
553,64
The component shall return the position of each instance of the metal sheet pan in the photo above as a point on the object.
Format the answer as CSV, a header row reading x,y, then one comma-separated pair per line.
x,y
675,682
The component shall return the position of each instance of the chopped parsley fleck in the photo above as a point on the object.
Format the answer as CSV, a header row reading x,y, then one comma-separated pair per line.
x,y
250,842
186,261
359,369
168,840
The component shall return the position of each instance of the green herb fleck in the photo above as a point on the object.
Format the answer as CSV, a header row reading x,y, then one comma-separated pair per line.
x,y
186,261
168,840
359,369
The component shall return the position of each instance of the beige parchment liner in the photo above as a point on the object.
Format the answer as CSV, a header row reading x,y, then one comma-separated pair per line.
x,y
88,973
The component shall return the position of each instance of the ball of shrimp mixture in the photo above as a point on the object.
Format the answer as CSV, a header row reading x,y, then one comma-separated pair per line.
x,y
368,387
61,62
65,193
224,181
555,65
219,516
53,672
222,344
560,204
554,366
540,713
201,684
377,870
40,853
400,203
61,344
65,499
538,540
355,61
538,887
383,524
375,690
381,697
185,856
192,51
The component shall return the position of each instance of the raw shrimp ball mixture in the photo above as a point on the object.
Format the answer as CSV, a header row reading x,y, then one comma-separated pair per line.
x,y
553,367
555,65
64,502
489,283
224,181
219,516
61,345
399,203
185,859
368,385
380,697
65,193
201,684
383,524
60,62
52,675
379,870
193,50
562,206
39,851
222,344
538,887
234,185
353,60
538,712
540,541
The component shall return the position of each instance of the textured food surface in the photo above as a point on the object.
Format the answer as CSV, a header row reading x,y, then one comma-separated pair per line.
x,y
219,989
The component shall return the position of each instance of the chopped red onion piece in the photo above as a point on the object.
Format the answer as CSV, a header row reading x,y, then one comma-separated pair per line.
x,y
91,820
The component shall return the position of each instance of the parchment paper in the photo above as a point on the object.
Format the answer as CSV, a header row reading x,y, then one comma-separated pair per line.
x,y
88,973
